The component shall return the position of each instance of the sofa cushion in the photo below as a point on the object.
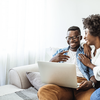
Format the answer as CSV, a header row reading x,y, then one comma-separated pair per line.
x,y
35,79
7,89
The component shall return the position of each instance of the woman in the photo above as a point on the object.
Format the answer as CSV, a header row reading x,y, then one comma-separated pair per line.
x,y
92,37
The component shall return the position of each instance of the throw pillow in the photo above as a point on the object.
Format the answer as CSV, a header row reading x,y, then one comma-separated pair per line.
x,y
35,79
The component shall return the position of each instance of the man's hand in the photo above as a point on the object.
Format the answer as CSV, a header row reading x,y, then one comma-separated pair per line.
x,y
85,85
87,50
60,57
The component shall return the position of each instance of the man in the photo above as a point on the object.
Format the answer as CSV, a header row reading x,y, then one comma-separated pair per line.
x,y
84,75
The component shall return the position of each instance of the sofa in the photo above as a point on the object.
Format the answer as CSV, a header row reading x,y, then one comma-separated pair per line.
x,y
18,80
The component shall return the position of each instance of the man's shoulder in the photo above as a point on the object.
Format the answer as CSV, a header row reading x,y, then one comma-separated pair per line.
x,y
80,48
67,48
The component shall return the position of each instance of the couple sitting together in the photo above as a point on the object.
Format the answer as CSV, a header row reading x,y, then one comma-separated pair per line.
x,y
86,57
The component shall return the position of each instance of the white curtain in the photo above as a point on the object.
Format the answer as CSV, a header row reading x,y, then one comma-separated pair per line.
x,y
22,34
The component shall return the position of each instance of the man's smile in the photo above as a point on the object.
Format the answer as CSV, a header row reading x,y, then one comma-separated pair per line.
x,y
73,44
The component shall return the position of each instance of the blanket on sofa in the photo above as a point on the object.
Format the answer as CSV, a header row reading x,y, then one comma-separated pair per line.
x,y
26,94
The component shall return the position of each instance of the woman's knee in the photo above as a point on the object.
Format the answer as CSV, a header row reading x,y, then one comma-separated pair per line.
x,y
95,95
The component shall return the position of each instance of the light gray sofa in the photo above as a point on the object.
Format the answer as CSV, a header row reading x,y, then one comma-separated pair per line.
x,y
17,79
17,76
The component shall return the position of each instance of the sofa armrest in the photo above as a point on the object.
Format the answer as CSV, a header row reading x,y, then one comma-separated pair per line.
x,y
17,75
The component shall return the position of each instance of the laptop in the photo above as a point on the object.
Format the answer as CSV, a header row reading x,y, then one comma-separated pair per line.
x,y
61,74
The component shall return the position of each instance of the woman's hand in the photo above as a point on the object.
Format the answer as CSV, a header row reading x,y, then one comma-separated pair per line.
x,y
60,57
87,50
85,60
85,85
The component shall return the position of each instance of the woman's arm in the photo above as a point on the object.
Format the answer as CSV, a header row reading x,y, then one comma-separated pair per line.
x,y
87,49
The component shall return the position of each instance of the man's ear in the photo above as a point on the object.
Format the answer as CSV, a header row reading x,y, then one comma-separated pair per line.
x,y
80,37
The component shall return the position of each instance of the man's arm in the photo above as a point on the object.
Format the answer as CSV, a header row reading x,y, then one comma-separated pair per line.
x,y
85,85
60,57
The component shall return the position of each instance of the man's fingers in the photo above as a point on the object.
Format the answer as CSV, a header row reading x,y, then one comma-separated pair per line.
x,y
63,59
78,88
64,52
81,85
64,56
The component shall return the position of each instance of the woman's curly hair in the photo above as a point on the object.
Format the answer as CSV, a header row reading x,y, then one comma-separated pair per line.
x,y
92,22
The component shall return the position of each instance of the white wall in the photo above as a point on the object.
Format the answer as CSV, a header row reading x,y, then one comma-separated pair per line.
x,y
61,14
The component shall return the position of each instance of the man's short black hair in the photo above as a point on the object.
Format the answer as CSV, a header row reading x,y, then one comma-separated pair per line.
x,y
92,22
74,28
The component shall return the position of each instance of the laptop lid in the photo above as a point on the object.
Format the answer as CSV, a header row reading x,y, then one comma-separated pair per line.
x,y
62,74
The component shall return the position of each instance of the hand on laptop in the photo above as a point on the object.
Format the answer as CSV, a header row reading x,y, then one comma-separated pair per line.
x,y
85,85
60,57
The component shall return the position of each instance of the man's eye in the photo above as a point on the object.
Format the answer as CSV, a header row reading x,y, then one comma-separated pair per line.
x,y
69,38
74,37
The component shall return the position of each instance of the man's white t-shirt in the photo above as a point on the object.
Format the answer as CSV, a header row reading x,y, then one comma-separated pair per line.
x,y
72,60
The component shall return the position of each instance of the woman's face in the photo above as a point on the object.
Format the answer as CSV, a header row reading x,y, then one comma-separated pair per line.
x,y
90,39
